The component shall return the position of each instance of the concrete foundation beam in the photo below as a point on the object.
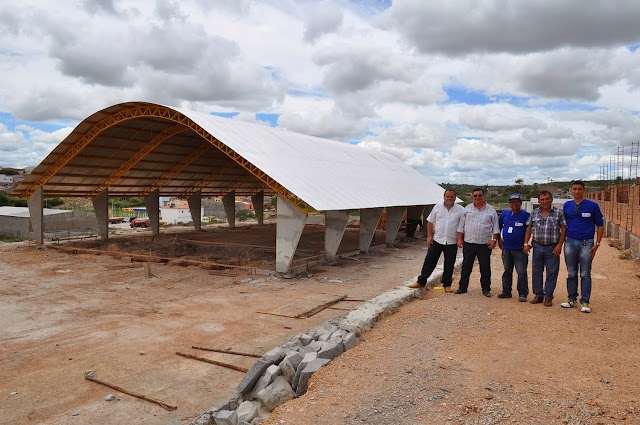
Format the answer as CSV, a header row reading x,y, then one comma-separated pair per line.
x,y
195,208
335,223
394,220
288,231
229,203
101,209
152,202
369,218
36,215
258,206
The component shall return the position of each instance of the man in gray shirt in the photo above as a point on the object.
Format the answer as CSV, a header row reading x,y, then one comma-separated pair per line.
x,y
478,233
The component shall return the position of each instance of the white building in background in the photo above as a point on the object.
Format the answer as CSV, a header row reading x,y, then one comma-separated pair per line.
x,y
6,179
177,211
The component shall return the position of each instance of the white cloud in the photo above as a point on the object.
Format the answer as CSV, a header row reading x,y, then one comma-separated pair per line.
x,y
464,91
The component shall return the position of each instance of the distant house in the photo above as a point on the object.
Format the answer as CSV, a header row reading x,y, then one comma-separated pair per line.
x,y
177,211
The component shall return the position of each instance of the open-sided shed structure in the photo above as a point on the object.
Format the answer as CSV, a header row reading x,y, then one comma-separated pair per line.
x,y
146,150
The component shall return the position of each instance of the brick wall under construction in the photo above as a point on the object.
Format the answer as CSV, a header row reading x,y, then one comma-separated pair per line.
x,y
620,206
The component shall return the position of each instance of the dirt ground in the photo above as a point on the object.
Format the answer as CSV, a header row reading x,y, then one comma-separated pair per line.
x,y
467,359
445,359
63,314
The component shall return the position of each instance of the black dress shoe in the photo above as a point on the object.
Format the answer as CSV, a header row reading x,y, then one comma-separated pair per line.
x,y
504,295
486,293
460,291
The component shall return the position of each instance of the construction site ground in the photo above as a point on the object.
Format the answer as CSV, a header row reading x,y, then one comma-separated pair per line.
x,y
63,313
445,359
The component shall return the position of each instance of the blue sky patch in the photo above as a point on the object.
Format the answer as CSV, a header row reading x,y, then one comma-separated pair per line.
x,y
569,106
272,119
225,114
12,122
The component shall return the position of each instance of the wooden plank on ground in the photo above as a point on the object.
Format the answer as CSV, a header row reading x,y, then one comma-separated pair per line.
x,y
307,306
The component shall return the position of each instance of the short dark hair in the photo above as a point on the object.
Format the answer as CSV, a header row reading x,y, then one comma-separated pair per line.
x,y
578,182
449,190
478,189
545,192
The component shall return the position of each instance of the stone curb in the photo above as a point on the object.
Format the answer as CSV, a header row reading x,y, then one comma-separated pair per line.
x,y
282,373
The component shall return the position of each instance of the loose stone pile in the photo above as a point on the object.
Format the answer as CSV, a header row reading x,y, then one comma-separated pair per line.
x,y
284,372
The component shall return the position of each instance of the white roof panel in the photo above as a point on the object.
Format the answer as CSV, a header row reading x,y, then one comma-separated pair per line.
x,y
326,174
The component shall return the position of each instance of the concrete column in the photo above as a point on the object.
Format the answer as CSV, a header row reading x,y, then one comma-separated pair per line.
x,y
101,209
369,218
425,214
36,215
152,202
258,206
394,220
335,222
229,203
195,208
288,231
414,213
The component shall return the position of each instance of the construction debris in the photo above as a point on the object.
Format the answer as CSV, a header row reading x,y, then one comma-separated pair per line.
x,y
91,377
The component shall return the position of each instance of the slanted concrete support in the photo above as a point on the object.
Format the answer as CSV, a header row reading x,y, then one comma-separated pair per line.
x,y
229,203
425,214
394,220
152,202
288,231
258,206
414,215
36,215
369,218
101,209
195,208
335,223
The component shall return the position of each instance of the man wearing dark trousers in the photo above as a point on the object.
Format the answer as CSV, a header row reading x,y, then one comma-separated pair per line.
x,y
513,225
442,237
477,235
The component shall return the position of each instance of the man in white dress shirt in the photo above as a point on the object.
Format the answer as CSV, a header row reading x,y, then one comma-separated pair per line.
x,y
442,237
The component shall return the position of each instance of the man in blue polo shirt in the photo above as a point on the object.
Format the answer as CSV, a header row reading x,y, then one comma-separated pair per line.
x,y
583,217
511,241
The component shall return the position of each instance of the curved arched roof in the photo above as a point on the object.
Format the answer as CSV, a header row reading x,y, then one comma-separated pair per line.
x,y
134,148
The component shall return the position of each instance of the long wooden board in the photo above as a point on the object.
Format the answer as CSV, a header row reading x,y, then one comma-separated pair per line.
x,y
306,307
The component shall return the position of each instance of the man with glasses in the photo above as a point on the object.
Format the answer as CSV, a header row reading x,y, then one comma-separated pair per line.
x,y
477,236
442,236
583,216
513,227
548,226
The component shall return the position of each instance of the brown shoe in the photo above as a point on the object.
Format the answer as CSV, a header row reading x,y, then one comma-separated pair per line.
x,y
415,285
536,300
548,302
448,289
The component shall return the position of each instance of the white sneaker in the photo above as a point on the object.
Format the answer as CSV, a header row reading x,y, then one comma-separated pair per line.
x,y
568,304
585,308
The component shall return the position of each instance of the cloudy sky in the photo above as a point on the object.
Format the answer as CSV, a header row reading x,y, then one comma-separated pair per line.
x,y
464,91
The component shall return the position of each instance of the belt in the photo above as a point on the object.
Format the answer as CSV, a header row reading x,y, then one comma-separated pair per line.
x,y
545,244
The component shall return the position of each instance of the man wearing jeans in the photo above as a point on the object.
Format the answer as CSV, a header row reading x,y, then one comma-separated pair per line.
x,y
583,216
548,226
512,225
477,236
442,237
